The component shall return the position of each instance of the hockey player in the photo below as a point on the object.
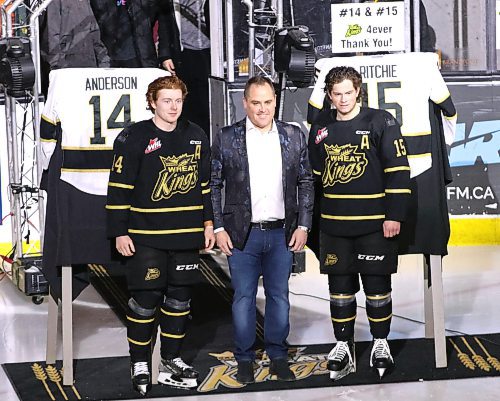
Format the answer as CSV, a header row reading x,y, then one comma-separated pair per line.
x,y
359,156
160,213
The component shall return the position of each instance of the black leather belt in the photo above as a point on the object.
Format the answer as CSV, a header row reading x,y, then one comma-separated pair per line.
x,y
269,225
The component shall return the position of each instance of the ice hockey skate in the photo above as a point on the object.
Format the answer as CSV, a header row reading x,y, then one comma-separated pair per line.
x,y
341,360
176,373
141,377
380,357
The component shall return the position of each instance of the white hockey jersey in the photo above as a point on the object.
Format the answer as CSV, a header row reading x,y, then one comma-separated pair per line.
x,y
402,84
86,108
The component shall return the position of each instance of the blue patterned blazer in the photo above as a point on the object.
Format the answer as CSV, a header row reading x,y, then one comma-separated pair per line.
x,y
230,172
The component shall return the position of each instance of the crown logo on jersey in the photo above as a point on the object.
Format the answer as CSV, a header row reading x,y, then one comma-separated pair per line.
x,y
320,135
179,176
154,144
343,164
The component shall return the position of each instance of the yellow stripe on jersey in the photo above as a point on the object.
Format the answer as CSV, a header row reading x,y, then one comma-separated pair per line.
x,y
398,168
378,296
441,100
85,148
316,106
166,209
168,335
117,207
365,217
204,184
119,185
49,120
138,342
382,319
316,172
417,133
345,196
48,140
205,191
174,313
144,321
453,117
398,191
85,170
419,155
347,319
159,232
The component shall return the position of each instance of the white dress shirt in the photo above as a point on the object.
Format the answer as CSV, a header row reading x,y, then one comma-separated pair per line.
x,y
264,162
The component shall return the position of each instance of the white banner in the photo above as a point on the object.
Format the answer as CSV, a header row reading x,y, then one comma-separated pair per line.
x,y
368,27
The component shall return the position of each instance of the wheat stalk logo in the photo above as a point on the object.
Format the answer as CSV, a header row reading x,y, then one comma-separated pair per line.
x,y
491,359
478,359
40,375
464,358
56,378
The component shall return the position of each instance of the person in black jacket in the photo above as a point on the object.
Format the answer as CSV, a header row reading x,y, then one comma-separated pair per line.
x,y
359,157
160,213
184,50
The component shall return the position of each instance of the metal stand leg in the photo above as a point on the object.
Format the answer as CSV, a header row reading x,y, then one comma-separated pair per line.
x,y
434,308
155,359
52,321
67,325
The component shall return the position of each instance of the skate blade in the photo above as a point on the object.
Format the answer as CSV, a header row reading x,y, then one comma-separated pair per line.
x,y
337,375
142,389
166,379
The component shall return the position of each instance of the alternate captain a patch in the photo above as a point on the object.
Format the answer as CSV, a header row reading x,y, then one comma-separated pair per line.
x,y
154,144
320,135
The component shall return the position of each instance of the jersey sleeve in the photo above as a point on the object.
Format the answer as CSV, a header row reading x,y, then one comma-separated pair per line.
x,y
396,169
208,214
50,124
122,177
315,152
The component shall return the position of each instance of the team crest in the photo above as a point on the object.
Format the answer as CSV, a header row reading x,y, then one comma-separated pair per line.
x,y
152,274
154,144
331,259
343,164
320,135
179,176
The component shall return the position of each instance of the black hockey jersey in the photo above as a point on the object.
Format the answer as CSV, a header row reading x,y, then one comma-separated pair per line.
x,y
364,171
158,189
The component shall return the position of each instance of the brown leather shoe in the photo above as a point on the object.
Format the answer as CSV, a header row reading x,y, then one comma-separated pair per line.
x,y
281,369
245,372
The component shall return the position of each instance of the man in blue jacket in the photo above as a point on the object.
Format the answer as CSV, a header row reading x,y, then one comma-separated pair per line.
x,y
264,166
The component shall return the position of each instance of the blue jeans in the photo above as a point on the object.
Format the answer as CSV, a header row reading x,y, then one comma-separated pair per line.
x,y
265,253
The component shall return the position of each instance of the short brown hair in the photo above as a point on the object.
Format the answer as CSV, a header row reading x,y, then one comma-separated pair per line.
x,y
338,74
170,82
258,80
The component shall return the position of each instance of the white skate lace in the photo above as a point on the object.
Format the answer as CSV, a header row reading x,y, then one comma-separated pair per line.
x,y
339,351
141,368
181,364
381,348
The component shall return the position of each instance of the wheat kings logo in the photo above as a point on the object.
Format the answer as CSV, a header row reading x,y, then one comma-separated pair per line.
x,y
343,164
179,176
224,374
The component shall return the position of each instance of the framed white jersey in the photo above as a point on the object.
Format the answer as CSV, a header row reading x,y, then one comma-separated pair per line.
x,y
402,84
85,110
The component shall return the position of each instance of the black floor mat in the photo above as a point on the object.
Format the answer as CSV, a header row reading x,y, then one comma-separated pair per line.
x,y
108,378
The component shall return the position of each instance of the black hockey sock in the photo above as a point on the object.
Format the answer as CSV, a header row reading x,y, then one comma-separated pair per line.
x,y
343,314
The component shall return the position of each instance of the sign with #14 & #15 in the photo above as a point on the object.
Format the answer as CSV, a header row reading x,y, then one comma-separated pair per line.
x,y
368,27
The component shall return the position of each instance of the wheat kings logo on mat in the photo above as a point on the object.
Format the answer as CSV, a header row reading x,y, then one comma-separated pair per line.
x,y
343,164
179,175
224,374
